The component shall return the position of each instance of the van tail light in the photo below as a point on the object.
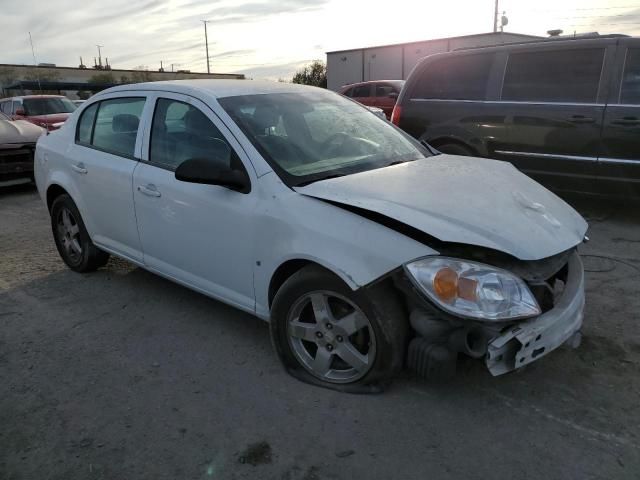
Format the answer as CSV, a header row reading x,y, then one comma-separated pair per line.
x,y
395,115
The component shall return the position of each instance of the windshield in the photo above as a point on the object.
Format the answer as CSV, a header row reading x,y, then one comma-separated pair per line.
x,y
47,106
316,135
4,117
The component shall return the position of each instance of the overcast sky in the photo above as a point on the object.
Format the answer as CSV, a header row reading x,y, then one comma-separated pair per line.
x,y
271,38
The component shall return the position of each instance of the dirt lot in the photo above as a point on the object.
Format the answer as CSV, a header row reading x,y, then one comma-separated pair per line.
x,y
122,375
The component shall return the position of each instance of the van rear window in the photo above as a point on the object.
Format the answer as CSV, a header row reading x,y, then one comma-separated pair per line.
x,y
459,77
563,76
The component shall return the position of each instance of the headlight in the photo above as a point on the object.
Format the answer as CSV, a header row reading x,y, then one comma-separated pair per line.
x,y
472,289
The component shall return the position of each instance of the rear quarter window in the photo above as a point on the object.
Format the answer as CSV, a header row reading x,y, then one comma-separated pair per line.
x,y
459,77
561,76
630,90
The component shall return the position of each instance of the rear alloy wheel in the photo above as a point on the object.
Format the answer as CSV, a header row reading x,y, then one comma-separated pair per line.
x,y
69,234
327,334
72,239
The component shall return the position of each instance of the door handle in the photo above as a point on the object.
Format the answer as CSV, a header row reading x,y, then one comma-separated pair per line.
x,y
149,190
581,119
626,121
79,168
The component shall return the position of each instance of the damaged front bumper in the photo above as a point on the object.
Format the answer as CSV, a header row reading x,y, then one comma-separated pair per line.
x,y
531,340
440,337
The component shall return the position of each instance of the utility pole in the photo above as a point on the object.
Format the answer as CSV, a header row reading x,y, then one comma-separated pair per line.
x,y
495,18
35,64
206,42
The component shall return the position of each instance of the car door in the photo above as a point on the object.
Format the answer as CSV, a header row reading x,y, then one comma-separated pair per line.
x,y
619,162
554,100
200,235
101,163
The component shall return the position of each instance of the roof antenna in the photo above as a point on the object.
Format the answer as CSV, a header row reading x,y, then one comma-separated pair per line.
x,y
33,52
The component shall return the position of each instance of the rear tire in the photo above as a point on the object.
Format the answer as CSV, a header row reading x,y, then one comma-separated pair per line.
x,y
72,239
329,335
456,149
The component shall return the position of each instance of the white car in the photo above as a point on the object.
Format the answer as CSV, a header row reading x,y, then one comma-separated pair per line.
x,y
360,246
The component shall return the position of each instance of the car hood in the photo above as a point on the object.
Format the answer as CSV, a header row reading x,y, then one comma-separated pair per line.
x,y
466,200
50,119
19,131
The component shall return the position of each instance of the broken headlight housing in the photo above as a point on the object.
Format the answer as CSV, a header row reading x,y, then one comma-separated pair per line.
x,y
473,290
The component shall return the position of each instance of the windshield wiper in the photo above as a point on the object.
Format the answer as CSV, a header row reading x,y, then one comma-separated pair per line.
x,y
425,144
313,180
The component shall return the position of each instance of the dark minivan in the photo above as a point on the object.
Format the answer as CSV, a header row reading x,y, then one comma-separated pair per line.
x,y
564,111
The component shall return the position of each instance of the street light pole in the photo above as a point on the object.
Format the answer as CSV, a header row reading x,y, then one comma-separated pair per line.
x,y
206,42
495,18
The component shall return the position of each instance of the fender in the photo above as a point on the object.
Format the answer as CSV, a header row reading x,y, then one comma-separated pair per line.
x,y
293,226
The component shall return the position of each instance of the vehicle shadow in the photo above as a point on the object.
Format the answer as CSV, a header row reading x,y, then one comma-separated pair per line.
x,y
26,187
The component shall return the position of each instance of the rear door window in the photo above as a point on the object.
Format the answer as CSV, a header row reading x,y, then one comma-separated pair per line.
x,y
559,76
384,90
460,77
362,91
85,125
630,91
116,125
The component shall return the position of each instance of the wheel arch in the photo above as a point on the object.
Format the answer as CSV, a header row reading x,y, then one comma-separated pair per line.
x,y
442,140
286,269
54,191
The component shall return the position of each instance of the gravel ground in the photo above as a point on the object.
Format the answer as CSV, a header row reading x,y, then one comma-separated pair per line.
x,y
123,375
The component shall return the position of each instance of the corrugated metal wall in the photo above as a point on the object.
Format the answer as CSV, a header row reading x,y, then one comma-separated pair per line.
x,y
394,62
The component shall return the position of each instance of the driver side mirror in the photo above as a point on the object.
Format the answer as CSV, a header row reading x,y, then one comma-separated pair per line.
x,y
210,172
20,111
393,95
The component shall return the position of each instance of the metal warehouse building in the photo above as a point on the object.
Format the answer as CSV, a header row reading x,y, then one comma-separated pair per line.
x,y
394,62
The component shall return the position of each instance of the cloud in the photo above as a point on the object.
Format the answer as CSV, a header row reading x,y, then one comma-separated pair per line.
x,y
148,31
273,71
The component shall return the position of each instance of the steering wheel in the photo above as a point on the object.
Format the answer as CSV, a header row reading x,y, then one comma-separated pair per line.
x,y
331,144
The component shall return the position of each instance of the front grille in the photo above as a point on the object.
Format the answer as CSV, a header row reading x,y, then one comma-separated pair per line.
x,y
16,161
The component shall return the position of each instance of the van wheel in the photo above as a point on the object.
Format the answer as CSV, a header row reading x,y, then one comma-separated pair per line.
x,y
329,335
72,239
456,149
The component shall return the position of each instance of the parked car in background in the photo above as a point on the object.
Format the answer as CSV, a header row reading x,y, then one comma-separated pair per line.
x,y
47,111
379,93
17,144
564,111
301,207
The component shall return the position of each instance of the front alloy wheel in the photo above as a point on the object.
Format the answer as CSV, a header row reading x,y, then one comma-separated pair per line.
x,y
327,334
331,337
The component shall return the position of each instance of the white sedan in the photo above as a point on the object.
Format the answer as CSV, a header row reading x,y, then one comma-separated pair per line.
x,y
362,247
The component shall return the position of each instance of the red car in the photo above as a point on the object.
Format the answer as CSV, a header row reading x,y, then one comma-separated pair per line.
x,y
48,111
377,93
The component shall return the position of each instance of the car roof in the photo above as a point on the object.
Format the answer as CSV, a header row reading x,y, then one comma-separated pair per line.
x,y
217,88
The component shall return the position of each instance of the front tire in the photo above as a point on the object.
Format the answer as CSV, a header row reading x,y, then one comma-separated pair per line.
x,y
329,335
72,239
